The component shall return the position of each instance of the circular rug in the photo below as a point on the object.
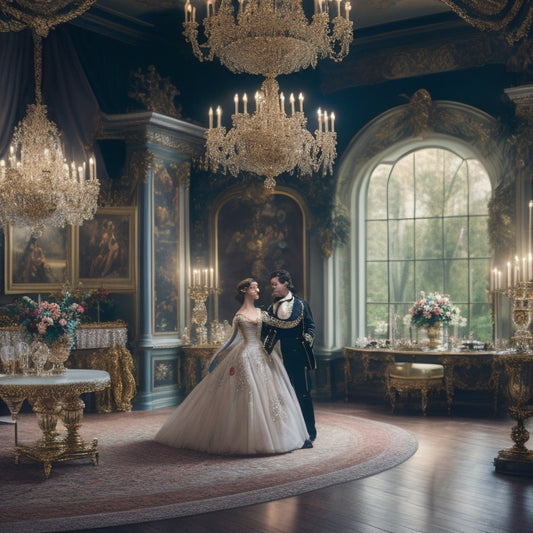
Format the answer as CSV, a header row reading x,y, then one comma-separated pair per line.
x,y
140,480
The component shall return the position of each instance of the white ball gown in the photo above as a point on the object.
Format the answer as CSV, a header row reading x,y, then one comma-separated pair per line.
x,y
245,405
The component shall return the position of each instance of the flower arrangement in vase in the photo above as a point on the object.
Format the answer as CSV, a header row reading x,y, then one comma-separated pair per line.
x,y
432,312
52,322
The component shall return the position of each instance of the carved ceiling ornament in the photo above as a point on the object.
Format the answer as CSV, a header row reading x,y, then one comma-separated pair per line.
x,y
422,116
513,18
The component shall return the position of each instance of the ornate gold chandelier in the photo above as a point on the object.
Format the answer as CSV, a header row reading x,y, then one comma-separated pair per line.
x,y
269,38
38,187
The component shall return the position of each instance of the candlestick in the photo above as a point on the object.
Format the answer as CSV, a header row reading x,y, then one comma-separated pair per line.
x,y
245,100
508,275
325,121
211,273
210,118
319,119
301,99
236,100
529,227
219,115
332,117
347,7
292,103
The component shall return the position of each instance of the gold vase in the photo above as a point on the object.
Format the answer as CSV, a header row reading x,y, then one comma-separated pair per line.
x,y
59,353
434,336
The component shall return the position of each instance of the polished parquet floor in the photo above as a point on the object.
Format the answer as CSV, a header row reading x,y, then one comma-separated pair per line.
x,y
449,486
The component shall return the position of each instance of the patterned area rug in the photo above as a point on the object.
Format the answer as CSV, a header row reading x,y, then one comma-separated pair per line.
x,y
140,480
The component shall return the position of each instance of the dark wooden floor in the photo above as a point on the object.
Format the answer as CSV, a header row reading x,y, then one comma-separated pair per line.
x,y
449,485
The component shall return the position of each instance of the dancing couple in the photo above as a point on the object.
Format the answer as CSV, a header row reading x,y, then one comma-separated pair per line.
x,y
252,401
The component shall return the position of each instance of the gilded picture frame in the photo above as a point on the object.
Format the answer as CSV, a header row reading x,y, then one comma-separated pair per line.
x,y
105,250
37,264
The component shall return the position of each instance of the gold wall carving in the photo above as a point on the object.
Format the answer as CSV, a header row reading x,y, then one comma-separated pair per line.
x,y
155,93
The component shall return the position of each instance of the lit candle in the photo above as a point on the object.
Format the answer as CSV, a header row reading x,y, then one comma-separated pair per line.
x,y
193,14
499,280
292,103
209,7
210,117
332,116
282,102
325,121
245,100
211,273
508,274
205,277
530,267
91,168
301,98
347,7
236,100
219,115
319,119
257,101
188,9
338,8
3,168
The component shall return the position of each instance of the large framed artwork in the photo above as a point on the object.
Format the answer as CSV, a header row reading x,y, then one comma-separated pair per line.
x,y
105,250
37,264
253,239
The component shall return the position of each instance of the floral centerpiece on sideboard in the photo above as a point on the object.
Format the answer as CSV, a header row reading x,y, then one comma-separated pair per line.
x,y
432,312
52,322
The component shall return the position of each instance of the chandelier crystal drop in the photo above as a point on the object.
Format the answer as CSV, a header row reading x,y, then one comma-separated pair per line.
x,y
271,141
38,187
270,37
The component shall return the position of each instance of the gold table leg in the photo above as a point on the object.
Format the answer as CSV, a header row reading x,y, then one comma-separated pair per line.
x,y
50,446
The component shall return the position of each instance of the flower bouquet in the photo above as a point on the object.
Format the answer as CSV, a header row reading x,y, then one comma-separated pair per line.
x,y
431,312
52,323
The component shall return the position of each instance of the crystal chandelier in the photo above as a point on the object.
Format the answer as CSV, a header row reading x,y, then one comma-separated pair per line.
x,y
270,141
38,187
269,38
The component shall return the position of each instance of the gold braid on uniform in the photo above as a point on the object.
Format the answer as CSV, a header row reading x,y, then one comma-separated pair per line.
x,y
281,324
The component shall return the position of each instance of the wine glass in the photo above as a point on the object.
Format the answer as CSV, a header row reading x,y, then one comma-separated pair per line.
x,y
22,352
39,356
8,357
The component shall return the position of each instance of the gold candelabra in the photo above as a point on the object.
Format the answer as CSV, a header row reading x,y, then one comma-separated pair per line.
x,y
202,286
522,297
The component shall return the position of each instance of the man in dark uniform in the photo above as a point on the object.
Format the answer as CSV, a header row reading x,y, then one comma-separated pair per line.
x,y
296,342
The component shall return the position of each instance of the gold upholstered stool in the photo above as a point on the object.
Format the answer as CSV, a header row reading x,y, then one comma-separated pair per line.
x,y
421,378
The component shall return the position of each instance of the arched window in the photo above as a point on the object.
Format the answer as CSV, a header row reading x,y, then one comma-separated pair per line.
x,y
426,230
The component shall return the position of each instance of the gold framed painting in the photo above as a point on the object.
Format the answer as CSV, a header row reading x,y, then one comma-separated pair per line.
x,y
105,250
37,264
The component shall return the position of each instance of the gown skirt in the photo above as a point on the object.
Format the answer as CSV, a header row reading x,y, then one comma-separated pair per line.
x,y
246,405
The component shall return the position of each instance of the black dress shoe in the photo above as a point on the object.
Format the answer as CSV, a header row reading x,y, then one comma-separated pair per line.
x,y
307,444
312,438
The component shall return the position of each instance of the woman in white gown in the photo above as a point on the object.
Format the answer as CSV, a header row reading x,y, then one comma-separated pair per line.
x,y
246,404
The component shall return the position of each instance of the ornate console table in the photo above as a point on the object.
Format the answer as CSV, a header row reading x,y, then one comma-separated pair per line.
x,y
54,397
468,370
194,365
103,347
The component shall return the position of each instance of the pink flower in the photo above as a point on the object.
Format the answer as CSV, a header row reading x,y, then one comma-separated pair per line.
x,y
41,328
80,309
232,371
62,322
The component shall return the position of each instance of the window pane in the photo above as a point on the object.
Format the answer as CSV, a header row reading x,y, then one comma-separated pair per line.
x,y
480,188
377,193
479,283
428,184
376,240
428,238
429,276
401,192
456,196
377,320
456,237
402,281
376,284
456,280
479,237
401,239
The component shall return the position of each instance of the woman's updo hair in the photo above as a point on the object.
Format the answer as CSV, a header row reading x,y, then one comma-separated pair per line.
x,y
242,287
